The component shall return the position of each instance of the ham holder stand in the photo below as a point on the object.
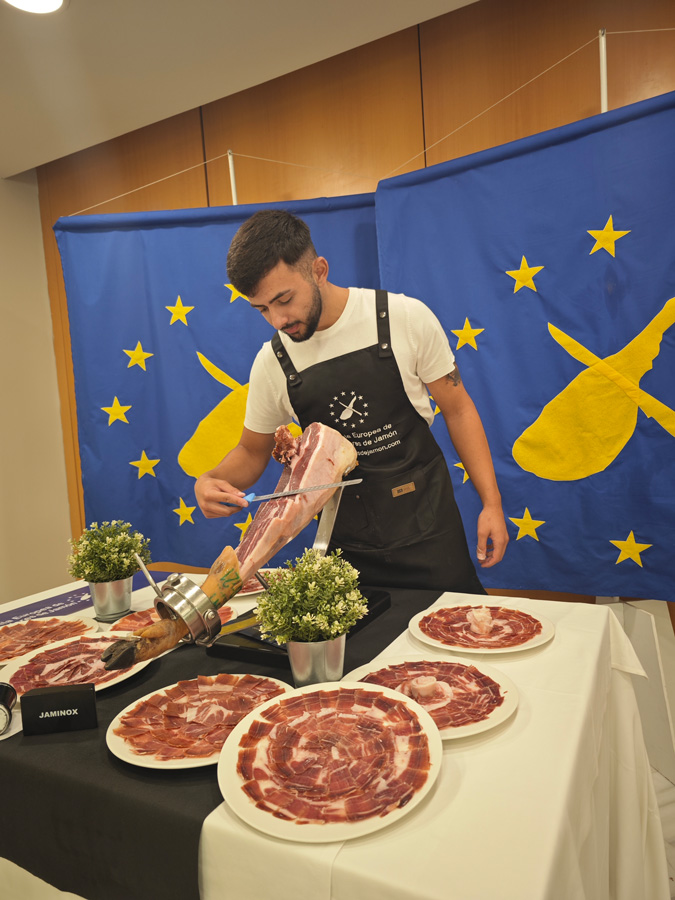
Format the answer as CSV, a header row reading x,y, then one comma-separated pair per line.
x,y
180,598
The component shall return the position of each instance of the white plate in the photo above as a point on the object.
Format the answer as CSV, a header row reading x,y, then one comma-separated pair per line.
x,y
230,782
498,715
546,633
121,749
253,592
13,667
91,626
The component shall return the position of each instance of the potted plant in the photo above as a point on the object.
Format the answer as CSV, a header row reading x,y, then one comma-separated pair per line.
x,y
103,556
310,606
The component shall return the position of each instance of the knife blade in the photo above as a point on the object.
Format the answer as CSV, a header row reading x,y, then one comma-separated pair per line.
x,y
255,498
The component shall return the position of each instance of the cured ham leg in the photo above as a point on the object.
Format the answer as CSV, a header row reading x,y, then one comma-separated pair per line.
x,y
319,456
222,582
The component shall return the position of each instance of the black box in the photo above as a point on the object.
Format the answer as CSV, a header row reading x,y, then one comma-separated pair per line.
x,y
60,708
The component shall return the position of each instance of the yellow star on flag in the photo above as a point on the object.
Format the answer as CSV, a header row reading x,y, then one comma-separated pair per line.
x,y
467,335
244,526
607,238
179,312
184,512
145,466
527,526
524,276
235,293
116,411
137,357
630,549
466,474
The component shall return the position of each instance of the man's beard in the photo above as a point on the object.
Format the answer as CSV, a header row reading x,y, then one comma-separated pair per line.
x,y
314,315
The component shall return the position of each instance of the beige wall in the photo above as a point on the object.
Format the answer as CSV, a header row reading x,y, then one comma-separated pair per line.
x,y
34,523
340,126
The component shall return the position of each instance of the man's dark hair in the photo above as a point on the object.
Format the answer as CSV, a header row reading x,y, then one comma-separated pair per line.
x,y
267,238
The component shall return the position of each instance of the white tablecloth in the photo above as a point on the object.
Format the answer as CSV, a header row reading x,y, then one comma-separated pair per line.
x,y
557,803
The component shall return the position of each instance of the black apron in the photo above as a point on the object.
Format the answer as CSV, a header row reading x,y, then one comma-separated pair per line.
x,y
401,527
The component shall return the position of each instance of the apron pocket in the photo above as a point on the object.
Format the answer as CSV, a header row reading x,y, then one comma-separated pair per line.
x,y
395,511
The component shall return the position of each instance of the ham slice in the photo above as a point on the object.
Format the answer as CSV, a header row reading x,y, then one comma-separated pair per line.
x,y
320,455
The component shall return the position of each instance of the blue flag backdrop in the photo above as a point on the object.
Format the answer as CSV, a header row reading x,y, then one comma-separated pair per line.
x,y
162,349
551,264
549,261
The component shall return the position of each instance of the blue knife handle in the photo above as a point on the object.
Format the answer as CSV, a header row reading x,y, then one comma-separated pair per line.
x,y
247,497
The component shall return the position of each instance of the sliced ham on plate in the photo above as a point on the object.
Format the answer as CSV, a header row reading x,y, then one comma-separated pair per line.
x,y
22,637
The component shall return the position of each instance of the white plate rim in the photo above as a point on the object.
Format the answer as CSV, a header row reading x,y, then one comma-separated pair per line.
x,y
118,746
230,782
545,635
497,716
92,626
13,667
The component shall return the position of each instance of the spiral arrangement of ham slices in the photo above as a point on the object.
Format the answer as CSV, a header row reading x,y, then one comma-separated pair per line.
x,y
193,718
459,626
453,693
75,662
23,637
330,756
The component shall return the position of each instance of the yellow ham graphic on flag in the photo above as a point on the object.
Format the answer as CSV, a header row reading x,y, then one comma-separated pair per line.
x,y
220,430
585,427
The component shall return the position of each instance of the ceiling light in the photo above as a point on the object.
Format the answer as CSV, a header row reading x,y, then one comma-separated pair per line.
x,y
37,6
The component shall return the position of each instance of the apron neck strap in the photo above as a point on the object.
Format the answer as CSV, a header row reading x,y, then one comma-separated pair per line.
x,y
383,335
293,377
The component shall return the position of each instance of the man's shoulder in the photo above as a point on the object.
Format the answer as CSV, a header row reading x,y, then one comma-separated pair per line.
x,y
367,295
409,307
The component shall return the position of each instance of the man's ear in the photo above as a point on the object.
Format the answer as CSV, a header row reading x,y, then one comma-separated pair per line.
x,y
320,270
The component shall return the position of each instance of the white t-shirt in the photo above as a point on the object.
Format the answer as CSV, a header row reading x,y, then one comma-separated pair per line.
x,y
420,346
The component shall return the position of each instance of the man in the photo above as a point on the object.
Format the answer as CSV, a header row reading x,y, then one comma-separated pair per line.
x,y
364,363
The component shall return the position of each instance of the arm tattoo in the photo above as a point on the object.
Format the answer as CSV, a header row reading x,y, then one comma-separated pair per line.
x,y
454,376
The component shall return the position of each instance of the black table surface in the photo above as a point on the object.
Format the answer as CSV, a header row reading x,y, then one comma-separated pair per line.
x,y
86,822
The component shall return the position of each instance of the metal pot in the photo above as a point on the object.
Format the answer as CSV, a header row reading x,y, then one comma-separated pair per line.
x,y
313,662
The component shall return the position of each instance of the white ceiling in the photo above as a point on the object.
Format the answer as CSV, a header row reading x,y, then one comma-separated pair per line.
x,y
101,68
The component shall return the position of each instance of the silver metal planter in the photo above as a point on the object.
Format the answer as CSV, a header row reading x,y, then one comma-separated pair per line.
x,y
111,599
314,662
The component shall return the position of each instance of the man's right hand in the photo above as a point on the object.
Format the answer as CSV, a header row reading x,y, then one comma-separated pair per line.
x,y
218,498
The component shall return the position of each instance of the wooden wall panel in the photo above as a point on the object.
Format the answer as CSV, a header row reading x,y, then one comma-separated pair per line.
x,y
74,183
343,124
477,55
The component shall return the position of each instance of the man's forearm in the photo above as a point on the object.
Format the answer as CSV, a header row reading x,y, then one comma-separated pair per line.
x,y
468,437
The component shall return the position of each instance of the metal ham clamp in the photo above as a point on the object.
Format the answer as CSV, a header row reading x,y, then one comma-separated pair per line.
x,y
181,598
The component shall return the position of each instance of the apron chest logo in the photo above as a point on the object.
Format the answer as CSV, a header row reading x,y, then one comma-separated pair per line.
x,y
403,489
349,409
